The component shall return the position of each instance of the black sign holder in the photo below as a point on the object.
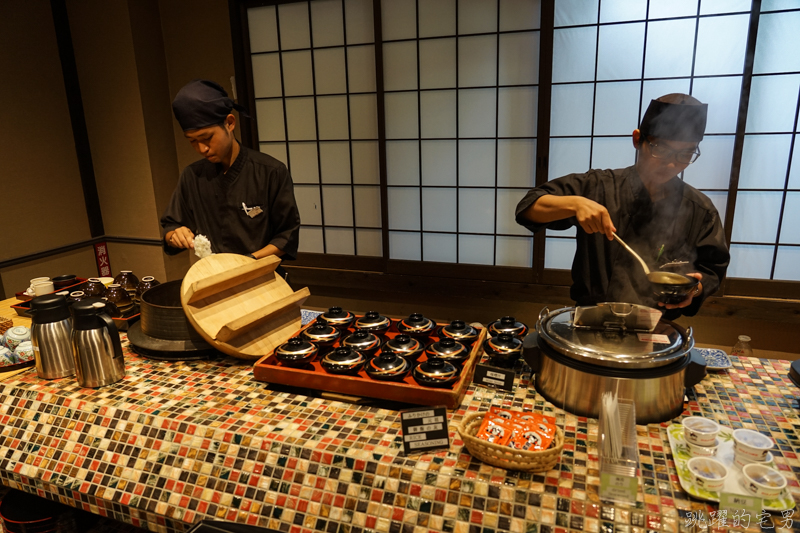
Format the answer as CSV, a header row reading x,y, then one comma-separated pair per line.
x,y
424,429
492,376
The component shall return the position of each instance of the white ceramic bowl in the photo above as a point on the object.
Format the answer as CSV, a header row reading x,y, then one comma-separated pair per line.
x,y
751,444
741,461
762,480
695,450
707,473
700,431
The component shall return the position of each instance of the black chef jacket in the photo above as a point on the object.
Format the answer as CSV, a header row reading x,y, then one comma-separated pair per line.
x,y
685,222
219,205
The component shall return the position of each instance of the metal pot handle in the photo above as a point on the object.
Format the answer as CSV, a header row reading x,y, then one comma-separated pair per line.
x,y
689,342
543,313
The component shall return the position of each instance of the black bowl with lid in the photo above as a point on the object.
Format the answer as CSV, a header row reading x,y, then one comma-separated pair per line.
x,y
405,346
388,366
504,350
671,287
435,373
321,333
296,352
508,324
374,322
364,341
450,350
460,331
416,325
343,361
337,317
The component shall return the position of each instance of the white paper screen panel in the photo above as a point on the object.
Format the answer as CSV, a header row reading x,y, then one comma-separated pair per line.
x,y
440,247
316,110
476,249
513,251
559,253
751,261
787,264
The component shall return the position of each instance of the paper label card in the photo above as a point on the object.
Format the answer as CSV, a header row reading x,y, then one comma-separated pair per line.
x,y
655,338
620,488
424,429
491,376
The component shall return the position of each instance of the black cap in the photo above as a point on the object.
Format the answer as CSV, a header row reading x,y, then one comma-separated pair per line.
x,y
49,308
203,103
682,121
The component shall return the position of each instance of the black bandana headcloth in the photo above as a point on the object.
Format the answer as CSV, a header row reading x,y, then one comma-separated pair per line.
x,y
684,121
203,103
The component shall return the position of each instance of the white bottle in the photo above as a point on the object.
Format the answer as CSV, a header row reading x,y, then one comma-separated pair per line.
x,y
742,347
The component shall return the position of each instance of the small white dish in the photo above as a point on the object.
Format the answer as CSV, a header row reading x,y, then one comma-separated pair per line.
x,y
740,461
707,473
715,359
703,451
762,480
751,444
700,431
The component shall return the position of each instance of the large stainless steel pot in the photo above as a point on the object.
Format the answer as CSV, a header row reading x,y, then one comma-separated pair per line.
x,y
575,361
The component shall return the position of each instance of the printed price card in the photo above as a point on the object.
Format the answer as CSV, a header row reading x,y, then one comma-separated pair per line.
x,y
620,488
492,376
424,429
739,504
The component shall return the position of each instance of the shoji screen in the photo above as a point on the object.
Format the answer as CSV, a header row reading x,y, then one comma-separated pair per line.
x,y
313,69
765,242
460,80
610,58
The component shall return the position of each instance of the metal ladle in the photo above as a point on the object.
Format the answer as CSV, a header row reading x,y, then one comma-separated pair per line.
x,y
644,265
669,278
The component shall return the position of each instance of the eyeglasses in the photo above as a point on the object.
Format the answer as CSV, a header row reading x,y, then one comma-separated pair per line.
x,y
686,157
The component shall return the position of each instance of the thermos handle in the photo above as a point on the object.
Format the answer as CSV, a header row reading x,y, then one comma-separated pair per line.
x,y
113,333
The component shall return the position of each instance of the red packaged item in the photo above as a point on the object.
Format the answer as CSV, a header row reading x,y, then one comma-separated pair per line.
x,y
495,429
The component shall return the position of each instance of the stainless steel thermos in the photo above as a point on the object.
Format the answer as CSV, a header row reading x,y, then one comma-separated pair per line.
x,y
96,345
51,328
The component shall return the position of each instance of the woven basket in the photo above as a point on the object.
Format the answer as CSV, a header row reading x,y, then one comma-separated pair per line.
x,y
504,456
5,324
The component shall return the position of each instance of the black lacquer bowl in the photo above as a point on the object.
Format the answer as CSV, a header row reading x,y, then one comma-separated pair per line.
x,y
405,346
343,361
450,350
374,322
388,366
363,341
296,352
508,324
435,373
460,331
504,350
416,325
337,317
321,333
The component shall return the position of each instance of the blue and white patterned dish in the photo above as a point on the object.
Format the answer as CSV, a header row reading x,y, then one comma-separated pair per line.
x,y
307,316
715,359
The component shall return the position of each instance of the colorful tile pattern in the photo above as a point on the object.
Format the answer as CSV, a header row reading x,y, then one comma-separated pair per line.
x,y
176,442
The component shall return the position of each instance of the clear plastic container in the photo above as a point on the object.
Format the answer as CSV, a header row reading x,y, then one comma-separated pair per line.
x,y
742,347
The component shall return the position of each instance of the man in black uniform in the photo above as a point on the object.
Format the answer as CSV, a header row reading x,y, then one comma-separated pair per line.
x,y
661,217
242,200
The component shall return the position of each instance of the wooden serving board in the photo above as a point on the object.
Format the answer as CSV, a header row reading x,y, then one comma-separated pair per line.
x,y
313,376
239,305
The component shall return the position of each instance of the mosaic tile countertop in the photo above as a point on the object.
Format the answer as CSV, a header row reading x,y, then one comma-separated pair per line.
x,y
176,442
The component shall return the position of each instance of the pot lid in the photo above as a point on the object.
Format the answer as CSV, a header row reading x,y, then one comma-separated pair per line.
x,y
613,344
436,369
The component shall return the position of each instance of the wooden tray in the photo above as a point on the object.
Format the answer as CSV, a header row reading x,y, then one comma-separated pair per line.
x,y
74,287
239,305
122,322
408,391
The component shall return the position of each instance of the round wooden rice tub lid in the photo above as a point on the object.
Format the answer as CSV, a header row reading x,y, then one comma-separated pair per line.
x,y
240,306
